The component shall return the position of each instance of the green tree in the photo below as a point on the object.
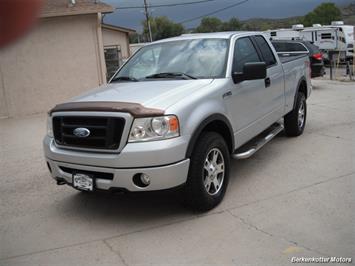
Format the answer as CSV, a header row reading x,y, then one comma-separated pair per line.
x,y
162,28
213,24
323,14
209,24
231,25
134,37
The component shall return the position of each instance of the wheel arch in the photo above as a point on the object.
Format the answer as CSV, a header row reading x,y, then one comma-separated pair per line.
x,y
301,87
215,123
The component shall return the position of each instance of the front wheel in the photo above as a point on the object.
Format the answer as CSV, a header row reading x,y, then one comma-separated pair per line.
x,y
208,174
295,121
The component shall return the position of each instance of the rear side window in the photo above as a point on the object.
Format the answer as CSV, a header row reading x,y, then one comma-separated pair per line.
x,y
244,52
266,51
289,47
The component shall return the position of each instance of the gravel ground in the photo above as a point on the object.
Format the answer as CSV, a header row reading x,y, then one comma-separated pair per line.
x,y
294,198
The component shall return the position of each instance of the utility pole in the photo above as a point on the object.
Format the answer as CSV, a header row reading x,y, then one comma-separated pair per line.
x,y
148,21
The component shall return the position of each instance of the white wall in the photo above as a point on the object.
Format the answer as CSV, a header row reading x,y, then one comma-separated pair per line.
x,y
113,37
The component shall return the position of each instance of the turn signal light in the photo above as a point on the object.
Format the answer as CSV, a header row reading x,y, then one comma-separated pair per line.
x,y
174,124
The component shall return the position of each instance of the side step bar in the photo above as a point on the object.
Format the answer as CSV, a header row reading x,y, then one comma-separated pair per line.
x,y
259,141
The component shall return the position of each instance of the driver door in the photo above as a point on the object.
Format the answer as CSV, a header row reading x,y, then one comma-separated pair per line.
x,y
248,99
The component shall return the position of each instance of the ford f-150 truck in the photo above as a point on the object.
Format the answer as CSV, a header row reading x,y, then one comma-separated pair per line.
x,y
176,113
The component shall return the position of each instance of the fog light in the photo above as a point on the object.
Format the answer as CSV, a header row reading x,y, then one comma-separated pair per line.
x,y
145,179
141,180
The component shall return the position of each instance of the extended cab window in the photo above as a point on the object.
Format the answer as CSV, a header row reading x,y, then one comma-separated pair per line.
x,y
266,51
244,52
289,47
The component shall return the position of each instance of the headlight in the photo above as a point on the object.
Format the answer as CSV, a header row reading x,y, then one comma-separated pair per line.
x,y
154,128
49,127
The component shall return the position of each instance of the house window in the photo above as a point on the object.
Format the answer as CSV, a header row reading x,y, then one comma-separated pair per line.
x,y
113,59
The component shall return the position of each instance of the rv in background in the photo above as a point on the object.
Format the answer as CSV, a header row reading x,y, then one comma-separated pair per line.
x,y
336,38
327,39
348,31
283,34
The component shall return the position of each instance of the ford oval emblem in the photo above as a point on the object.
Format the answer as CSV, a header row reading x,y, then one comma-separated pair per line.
x,y
81,132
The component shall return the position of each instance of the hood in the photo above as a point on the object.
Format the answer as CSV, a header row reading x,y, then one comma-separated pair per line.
x,y
155,94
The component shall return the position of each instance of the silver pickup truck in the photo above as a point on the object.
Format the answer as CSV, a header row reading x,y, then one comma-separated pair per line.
x,y
176,113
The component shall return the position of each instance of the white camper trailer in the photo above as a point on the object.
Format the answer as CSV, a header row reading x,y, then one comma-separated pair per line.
x,y
328,39
325,38
348,32
336,38
283,34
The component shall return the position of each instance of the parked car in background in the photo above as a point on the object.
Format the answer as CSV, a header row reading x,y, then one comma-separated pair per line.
x,y
286,48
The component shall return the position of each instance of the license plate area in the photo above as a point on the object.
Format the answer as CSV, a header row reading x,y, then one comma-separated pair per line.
x,y
83,181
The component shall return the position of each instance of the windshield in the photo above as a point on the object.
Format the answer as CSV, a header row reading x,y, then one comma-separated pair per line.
x,y
196,58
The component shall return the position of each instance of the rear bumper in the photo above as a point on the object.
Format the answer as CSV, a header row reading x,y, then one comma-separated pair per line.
x,y
161,177
318,70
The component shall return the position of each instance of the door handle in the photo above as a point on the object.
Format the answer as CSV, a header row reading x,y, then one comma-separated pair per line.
x,y
267,82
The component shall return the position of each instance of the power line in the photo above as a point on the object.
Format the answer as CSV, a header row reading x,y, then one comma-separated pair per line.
x,y
148,20
213,12
167,5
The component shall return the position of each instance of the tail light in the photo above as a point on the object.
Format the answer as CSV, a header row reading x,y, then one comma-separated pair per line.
x,y
318,56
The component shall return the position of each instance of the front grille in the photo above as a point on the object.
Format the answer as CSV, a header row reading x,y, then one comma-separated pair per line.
x,y
105,132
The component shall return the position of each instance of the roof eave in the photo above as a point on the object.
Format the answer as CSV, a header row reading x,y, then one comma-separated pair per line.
x,y
117,28
77,12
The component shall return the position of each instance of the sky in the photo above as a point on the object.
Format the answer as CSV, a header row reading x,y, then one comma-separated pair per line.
x,y
132,18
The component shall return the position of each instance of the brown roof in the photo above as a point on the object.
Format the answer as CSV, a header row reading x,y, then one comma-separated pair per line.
x,y
117,28
57,8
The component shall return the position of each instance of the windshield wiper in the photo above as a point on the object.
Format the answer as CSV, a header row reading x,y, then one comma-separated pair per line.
x,y
124,78
170,75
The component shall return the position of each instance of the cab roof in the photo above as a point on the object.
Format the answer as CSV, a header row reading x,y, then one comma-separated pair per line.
x,y
212,35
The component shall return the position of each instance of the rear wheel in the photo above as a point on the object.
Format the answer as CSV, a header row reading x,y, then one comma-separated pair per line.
x,y
295,121
208,174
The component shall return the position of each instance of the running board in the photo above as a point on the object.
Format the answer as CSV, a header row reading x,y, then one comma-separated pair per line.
x,y
256,143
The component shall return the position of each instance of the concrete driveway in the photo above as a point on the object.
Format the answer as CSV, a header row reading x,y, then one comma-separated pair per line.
x,y
294,198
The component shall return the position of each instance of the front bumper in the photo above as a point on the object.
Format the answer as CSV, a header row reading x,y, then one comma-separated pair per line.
x,y
163,161
133,155
161,177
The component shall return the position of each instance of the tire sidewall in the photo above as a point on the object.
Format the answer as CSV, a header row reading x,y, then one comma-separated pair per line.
x,y
206,143
301,98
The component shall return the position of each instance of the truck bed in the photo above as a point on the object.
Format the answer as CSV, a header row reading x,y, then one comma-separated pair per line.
x,y
290,57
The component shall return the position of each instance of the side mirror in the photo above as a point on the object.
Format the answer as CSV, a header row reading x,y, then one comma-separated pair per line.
x,y
251,71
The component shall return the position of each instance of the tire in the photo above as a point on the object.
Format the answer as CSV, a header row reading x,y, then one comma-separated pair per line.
x,y
204,188
295,121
